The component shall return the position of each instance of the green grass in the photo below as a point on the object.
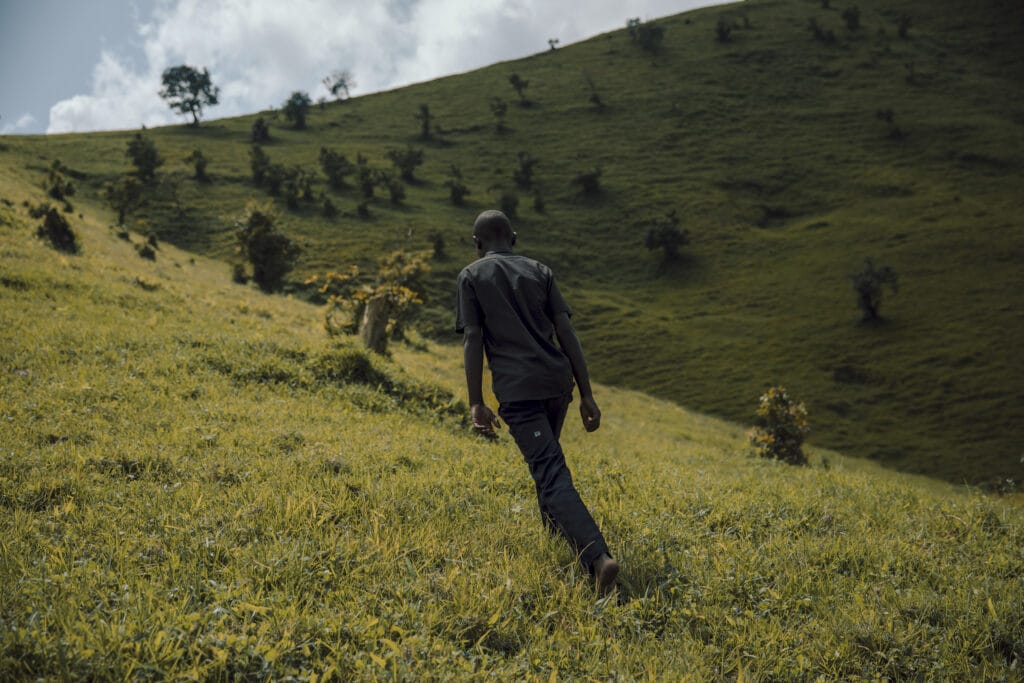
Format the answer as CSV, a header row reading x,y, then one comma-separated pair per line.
x,y
772,152
196,484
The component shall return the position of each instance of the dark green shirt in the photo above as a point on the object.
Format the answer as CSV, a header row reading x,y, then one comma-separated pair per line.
x,y
514,300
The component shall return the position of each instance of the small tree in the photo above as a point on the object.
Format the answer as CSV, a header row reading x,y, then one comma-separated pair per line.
x,y
57,186
296,186
499,108
55,229
339,84
457,190
424,117
199,162
665,234
259,162
509,203
406,160
519,85
436,240
903,24
395,188
366,177
188,90
523,174
296,108
723,31
589,181
649,35
123,196
260,130
595,97
821,34
851,15
336,167
271,254
553,43
144,156
868,285
780,427
376,309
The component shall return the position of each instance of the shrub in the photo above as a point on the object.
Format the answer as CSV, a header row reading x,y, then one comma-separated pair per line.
x,y
903,24
366,177
55,229
523,174
822,35
649,35
457,190
499,108
780,427
336,167
238,274
395,188
275,176
868,285
723,31
665,234
199,162
260,130
146,251
296,186
123,196
57,186
509,203
851,15
436,240
259,162
424,117
519,85
328,209
271,254
406,160
144,156
296,108
589,181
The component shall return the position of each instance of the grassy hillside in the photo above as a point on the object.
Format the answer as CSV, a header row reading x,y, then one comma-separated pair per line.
x,y
775,151
195,484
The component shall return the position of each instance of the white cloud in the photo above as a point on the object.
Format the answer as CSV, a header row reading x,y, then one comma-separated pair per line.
x,y
24,122
259,51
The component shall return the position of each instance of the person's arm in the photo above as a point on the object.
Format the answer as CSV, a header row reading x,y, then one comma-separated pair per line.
x,y
484,420
573,350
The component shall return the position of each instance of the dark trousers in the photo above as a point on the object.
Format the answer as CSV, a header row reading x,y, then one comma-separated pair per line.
x,y
536,427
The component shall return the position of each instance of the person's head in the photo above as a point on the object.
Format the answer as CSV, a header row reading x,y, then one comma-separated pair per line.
x,y
492,230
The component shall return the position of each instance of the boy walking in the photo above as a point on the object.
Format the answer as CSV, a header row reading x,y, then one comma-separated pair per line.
x,y
509,306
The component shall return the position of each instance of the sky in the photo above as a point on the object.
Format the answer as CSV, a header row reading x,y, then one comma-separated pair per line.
x,y
86,65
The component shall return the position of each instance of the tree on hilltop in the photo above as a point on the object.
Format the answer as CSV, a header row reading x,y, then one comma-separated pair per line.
x,y
339,84
188,90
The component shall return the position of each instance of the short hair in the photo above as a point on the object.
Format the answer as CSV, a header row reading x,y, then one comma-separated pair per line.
x,y
492,226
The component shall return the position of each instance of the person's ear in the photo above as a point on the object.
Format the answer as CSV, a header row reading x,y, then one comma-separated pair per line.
x,y
514,236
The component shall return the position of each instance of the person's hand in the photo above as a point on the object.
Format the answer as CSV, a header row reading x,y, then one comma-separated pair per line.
x,y
484,421
590,413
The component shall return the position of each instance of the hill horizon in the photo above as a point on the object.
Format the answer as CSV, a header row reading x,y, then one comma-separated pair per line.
x,y
787,156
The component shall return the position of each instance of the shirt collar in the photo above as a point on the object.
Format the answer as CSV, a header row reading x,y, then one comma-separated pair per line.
x,y
498,251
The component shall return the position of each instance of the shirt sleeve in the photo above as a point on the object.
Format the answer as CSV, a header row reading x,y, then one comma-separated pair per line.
x,y
467,307
556,303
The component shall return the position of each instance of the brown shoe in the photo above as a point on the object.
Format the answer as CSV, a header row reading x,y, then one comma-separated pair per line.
x,y
605,570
